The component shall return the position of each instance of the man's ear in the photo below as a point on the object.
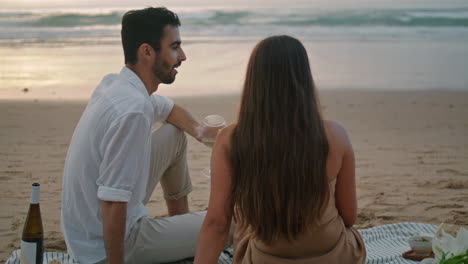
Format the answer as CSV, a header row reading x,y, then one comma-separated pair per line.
x,y
146,53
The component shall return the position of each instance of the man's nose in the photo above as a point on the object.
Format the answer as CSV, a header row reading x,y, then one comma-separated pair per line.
x,y
182,56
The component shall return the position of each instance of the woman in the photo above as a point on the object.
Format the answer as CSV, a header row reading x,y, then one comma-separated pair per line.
x,y
283,173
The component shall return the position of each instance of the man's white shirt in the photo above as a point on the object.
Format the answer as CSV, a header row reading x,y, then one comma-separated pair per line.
x,y
108,159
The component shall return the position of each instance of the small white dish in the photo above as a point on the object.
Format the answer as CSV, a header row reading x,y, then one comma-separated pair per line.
x,y
421,245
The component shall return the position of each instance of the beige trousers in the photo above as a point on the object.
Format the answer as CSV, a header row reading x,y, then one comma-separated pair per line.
x,y
166,239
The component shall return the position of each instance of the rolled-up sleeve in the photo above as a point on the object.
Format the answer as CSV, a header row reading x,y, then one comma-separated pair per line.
x,y
162,107
124,149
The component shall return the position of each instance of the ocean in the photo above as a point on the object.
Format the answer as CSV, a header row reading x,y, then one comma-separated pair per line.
x,y
102,26
64,52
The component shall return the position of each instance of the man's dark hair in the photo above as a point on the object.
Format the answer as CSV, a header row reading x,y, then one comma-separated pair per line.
x,y
145,26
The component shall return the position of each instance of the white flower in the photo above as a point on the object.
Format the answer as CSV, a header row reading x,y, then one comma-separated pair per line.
x,y
452,246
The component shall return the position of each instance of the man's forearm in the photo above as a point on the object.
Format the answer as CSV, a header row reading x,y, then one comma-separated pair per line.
x,y
182,119
114,219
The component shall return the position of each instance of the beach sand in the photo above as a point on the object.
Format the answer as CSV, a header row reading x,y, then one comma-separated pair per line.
x,y
411,157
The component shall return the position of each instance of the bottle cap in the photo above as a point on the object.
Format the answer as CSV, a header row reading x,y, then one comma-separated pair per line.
x,y
35,193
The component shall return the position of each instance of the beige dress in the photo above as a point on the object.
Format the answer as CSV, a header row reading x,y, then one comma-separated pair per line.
x,y
327,241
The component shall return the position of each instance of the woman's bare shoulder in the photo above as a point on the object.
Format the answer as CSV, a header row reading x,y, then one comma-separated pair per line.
x,y
224,136
336,132
227,131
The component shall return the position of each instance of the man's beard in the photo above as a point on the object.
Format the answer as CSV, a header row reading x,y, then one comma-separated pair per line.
x,y
162,70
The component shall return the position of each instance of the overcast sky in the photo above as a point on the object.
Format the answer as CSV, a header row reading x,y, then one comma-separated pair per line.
x,y
30,4
126,3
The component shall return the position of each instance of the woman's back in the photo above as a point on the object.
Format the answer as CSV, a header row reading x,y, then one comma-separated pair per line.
x,y
327,239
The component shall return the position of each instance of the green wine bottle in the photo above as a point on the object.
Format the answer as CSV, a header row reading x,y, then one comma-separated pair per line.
x,y
32,240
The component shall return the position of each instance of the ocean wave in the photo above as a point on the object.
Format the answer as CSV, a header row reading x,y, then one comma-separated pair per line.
x,y
292,17
76,20
357,20
95,26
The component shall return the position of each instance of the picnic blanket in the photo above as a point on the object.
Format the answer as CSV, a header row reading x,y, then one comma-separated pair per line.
x,y
384,245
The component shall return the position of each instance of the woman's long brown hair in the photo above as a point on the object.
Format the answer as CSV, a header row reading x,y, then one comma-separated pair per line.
x,y
279,146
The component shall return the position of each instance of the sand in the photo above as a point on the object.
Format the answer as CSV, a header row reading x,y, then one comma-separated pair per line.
x,y
411,157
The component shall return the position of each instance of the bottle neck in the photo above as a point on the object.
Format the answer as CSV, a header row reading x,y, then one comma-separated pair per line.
x,y
35,194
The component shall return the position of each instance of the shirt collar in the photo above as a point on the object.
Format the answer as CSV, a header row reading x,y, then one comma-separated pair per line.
x,y
134,80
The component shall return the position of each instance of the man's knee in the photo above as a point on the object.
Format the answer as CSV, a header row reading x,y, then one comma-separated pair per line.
x,y
169,132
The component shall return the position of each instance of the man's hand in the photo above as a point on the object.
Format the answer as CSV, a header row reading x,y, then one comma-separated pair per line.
x,y
114,217
198,133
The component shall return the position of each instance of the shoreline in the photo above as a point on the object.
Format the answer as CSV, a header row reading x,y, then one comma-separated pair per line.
x,y
320,91
417,65
410,148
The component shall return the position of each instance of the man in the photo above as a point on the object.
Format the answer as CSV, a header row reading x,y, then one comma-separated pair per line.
x,y
115,161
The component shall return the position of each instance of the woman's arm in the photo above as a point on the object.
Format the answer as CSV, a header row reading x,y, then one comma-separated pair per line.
x,y
345,190
215,228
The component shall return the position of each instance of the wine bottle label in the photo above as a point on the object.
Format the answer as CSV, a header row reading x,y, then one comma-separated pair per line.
x,y
35,194
28,252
